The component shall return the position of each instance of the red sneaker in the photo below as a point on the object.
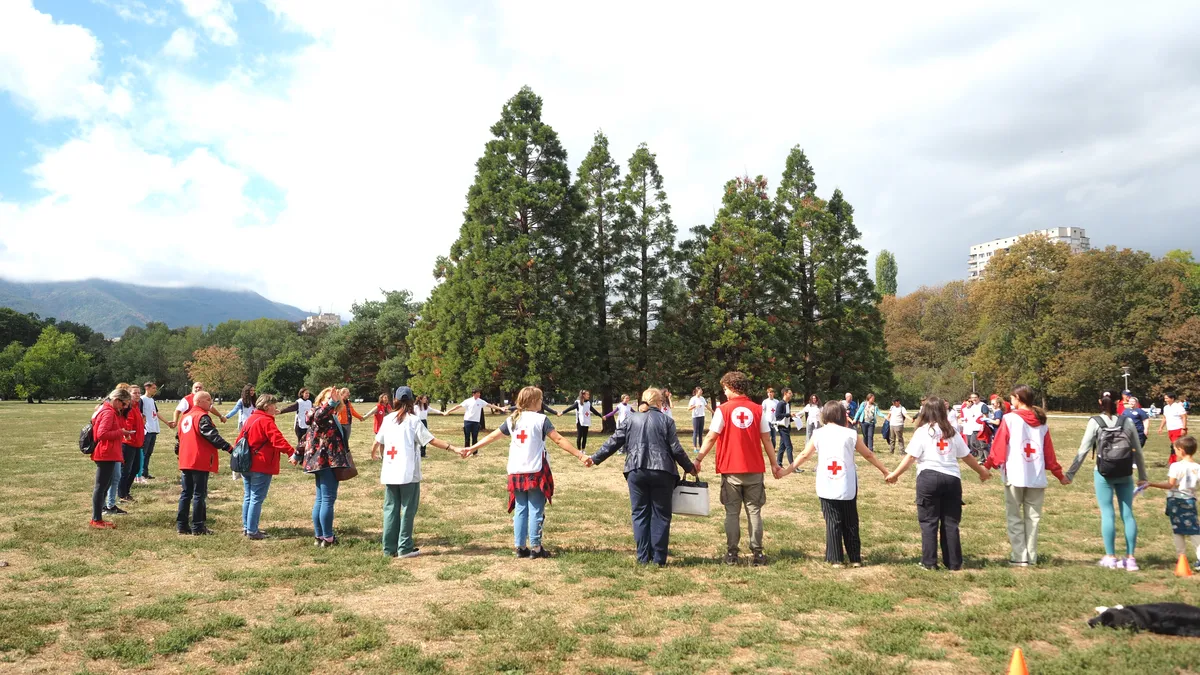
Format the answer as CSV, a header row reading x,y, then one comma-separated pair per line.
x,y
103,525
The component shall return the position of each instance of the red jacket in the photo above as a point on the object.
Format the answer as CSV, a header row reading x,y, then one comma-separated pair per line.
x,y
106,429
378,414
265,441
199,442
133,421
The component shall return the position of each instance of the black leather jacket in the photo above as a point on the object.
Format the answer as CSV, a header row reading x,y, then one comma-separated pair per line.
x,y
651,441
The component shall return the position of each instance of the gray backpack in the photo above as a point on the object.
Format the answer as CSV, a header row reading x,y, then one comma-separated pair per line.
x,y
1114,452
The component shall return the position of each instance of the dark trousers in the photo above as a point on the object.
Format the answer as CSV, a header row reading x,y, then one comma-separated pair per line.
x,y
147,450
773,442
697,431
129,469
470,433
581,433
426,424
939,508
841,528
785,445
194,495
104,476
650,500
868,433
300,434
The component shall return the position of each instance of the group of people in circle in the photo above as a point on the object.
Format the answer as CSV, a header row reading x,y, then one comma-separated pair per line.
x,y
739,436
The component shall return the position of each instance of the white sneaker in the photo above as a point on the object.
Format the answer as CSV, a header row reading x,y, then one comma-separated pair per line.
x,y
1109,562
411,554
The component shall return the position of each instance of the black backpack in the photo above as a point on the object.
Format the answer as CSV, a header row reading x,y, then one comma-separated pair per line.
x,y
1114,452
87,439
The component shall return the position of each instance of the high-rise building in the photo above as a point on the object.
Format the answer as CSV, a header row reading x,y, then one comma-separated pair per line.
x,y
981,254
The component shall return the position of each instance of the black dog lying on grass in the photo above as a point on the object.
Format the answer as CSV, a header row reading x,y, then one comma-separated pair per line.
x,y
1164,618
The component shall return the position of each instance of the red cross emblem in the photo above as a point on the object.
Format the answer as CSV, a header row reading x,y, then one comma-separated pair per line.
x,y
835,468
742,418
522,436
942,445
1029,451
391,453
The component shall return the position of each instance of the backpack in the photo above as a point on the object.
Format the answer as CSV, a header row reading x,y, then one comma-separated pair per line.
x,y
1114,452
242,456
87,439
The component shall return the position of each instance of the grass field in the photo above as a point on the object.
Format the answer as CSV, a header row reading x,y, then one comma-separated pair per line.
x,y
143,598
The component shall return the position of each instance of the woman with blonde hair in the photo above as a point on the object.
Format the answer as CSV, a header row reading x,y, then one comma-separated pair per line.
x,y
266,445
346,414
652,448
530,482
325,449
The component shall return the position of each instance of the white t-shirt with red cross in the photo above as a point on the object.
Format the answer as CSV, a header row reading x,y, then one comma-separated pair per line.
x,y
402,441
936,453
837,477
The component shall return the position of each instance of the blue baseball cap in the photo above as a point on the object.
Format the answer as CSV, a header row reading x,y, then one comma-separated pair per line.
x,y
403,393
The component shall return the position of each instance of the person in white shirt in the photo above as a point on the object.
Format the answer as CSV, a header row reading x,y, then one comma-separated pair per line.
x,y
530,482
697,406
936,448
583,417
837,482
812,415
473,415
1182,479
621,410
301,406
398,444
768,410
896,417
974,421
185,404
150,414
781,420
423,409
1174,421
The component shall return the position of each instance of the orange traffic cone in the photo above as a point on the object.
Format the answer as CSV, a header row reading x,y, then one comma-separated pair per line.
x,y
1182,569
1017,665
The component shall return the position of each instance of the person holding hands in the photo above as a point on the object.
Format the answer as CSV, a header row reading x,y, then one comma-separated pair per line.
x,y
936,448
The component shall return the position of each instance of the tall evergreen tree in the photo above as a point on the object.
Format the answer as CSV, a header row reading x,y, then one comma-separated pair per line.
x,y
598,185
885,272
802,216
648,253
492,321
851,354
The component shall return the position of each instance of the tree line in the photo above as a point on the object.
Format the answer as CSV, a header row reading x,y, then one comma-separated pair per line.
x,y
1065,323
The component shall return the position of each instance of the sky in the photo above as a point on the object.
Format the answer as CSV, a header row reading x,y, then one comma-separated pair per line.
x,y
317,152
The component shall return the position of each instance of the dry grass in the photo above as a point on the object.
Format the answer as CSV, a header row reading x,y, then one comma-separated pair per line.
x,y
141,597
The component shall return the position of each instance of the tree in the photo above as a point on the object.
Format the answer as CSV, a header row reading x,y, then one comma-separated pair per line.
x,y
801,217
17,327
9,358
644,267
370,353
260,341
221,369
1175,359
598,186
283,376
54,367
885,272
504,315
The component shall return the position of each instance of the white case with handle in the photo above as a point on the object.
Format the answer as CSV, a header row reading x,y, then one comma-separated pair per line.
x,y
690,499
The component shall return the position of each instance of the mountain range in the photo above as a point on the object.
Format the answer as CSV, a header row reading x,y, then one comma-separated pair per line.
x,y
110,307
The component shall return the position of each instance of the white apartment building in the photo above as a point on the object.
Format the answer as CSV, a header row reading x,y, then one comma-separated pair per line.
x,y
323,320
981,254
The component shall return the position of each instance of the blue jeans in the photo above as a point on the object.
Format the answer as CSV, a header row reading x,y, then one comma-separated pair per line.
x,y
147,452
327,490
650,495
785,445
470,433
529,512
112,489
1122,489
193,497
868,432
254,493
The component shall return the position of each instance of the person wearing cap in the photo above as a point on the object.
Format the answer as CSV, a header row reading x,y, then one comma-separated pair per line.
x,y
398,443
1124,402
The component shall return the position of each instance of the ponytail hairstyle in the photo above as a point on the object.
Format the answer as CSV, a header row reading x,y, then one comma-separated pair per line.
x,y
582,393
530,398
402,407
833,413
652,398
1107,405
933,413
1024,394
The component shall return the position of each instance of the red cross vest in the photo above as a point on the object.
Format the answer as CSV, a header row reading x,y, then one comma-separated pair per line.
x,y
526,447
1026,463
739,444
195,452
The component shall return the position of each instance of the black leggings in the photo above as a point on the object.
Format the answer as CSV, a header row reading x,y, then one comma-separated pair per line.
x,y
104,476
697,431
581,433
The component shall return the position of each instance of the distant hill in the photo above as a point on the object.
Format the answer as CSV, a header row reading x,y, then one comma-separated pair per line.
x,y
110,307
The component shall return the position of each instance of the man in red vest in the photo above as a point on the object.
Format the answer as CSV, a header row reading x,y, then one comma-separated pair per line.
x,y
742,436
198,445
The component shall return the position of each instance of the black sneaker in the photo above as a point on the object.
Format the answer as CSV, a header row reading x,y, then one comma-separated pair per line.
x,y
539,552
760,560
522,552
116,511
180,529
127,499
256,536
148,477
201,531
731,558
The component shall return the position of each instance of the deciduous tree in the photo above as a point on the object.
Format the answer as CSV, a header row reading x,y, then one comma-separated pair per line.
x,y
221,369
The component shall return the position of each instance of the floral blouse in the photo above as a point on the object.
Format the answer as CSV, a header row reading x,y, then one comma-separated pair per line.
x,y
324,445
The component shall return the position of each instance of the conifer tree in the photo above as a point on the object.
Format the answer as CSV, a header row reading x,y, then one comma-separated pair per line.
x,y
491,322
802,216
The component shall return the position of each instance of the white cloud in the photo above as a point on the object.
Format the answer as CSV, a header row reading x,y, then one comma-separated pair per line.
x,y
215,17
181,45
135,10
50,68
